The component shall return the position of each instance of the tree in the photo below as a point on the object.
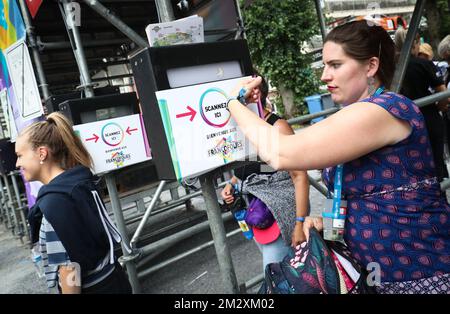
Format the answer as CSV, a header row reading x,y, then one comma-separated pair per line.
x,y
438,20
276,33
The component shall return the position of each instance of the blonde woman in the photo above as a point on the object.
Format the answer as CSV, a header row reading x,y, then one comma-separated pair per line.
x,y
69,220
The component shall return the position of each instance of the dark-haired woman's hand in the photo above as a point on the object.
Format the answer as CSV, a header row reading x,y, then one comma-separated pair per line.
x,y
298,235
310,222
251,87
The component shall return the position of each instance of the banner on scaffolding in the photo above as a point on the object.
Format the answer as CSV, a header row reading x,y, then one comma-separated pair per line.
x,y
12,29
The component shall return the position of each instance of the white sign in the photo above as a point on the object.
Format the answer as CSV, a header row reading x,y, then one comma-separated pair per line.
x,y
114,143
23,81
199,129
183,31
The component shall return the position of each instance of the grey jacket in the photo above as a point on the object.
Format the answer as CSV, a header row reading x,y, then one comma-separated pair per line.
x,y
278,193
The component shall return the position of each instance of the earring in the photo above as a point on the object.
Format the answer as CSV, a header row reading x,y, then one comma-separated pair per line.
x,y
41,162
371,84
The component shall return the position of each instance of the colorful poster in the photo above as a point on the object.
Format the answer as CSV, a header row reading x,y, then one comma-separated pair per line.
x,y
12,29
200,131
114,143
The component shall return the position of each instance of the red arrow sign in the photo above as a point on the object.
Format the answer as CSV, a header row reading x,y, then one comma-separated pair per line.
x,y
33,6
95,138
130,130
191,113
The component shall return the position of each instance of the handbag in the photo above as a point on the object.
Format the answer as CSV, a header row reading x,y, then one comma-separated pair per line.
x,y
316,267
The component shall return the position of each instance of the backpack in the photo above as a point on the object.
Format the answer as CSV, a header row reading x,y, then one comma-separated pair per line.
x,y
316,267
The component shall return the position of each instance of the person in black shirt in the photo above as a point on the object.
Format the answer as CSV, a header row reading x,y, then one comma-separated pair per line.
x,y
420,77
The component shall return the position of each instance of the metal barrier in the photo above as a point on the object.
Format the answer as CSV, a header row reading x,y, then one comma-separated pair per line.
x,y
12,207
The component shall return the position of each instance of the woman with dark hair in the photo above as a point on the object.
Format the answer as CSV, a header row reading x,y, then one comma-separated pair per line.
x,y
286,196
69,221
397,215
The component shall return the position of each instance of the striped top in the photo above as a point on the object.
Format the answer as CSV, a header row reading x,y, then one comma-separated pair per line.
x,y
54,255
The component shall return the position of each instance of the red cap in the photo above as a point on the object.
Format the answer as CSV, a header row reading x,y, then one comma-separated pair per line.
x,y
268,235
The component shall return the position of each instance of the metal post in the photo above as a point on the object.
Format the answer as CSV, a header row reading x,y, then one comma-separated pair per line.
x,y
77,47
309,117
20,205
120,221
165,11
183,255
405,53
218,233
431,99
241,30
34,49
5,207
174,194
11,205
319,11
153,203
114,20
319,187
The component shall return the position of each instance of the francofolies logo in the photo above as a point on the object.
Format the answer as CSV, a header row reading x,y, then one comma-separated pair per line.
x,y
118,158
225,148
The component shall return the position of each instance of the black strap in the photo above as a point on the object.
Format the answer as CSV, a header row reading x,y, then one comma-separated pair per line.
x,y
272,119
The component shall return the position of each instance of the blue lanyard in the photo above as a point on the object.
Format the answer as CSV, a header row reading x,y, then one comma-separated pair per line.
x,y
337,190
335,214
337,194
379,91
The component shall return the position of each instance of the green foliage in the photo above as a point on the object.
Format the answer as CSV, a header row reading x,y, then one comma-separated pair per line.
x,y
444,11
276,32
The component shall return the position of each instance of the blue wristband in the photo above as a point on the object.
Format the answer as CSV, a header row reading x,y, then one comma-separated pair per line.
x,y
241,96
301,219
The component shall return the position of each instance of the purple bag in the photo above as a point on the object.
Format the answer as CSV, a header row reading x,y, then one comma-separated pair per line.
x,y
258,215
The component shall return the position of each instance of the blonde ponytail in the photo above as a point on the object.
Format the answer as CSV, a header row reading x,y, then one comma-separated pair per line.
x,y
64,145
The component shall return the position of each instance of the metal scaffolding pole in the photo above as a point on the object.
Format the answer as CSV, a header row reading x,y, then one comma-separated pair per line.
x,y
407,45
87,43
77,47
34,49
147,214
174,259
319,187
321,18
165,11
5,205
114,20
120,222
11,207
218,233
20,205
75,39
179,236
